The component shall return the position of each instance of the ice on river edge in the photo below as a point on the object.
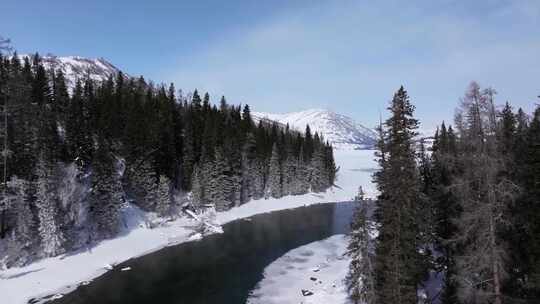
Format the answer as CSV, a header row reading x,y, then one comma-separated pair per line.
x,y
312,273
62,274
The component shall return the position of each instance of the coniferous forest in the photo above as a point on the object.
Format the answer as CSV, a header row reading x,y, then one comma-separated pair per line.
x,y
75,157
464,213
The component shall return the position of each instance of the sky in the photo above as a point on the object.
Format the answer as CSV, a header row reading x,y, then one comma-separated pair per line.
x,y
348,56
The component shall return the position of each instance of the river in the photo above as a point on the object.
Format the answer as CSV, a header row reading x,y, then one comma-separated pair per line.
x,y
220,268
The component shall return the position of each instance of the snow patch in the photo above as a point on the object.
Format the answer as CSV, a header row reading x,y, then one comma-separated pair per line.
x,y
312,273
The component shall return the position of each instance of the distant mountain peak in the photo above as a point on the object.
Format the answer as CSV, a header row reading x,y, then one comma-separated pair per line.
x,y
340,130
76,67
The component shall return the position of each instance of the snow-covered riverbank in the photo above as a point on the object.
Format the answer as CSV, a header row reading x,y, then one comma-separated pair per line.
x,y
64,273
312,273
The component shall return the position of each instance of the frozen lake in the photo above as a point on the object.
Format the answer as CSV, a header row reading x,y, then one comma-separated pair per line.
x,y
221,268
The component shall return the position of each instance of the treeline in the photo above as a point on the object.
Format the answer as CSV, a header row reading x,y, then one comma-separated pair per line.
x,y
75,156
469,210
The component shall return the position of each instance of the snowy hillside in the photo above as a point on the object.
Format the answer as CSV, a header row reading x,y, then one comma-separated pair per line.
x,y
75,67
340,130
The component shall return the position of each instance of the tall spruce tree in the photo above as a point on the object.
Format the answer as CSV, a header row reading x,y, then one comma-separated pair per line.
x,y
445,210
106,195
397,258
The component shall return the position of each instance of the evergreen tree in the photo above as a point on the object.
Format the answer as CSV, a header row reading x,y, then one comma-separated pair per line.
x,y
360,279
163,207
143,183
247,121
445,209
249,168
106,195
302,176
318,175
398,266
273,186
506,132
78,136
198,189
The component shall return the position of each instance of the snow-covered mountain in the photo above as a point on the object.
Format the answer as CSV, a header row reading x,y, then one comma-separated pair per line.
x,y
75,67
340,130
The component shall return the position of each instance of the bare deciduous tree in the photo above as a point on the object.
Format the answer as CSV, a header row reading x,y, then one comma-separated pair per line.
x,y
484,195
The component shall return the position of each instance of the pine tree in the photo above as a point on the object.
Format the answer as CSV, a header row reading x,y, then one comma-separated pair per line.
x,y
106,195
163,206
188,161
220,183
445,209
507,131
397,259
302,176
78,136
274,186
360,279
259,178
198,189
308,145
247,121
143,184
318,174
249,168
60,96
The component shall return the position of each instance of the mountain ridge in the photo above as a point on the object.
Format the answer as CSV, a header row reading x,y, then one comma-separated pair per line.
x,y
341,131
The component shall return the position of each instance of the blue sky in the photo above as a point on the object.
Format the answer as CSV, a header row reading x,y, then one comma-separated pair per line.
x,y
347,55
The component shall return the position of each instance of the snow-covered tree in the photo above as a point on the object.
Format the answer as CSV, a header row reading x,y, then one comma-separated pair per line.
x,y
301,175
221,185
143,185
52,239
318,176
106,195
258,178
289,174
21,244
360,279
163,206
274,185
197,188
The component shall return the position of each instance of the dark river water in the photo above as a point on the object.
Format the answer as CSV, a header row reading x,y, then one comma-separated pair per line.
x,y
221,268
